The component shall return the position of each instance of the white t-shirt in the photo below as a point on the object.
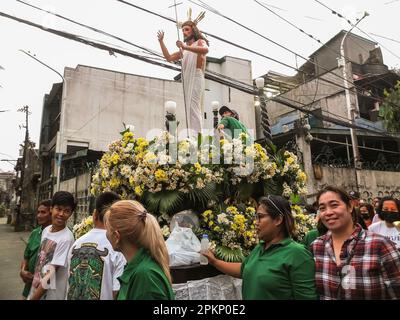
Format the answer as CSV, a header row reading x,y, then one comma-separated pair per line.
x,y
94,268
54,248
381,228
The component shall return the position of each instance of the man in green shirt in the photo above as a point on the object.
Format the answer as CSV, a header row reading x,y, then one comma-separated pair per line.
x,y
230,124
32,247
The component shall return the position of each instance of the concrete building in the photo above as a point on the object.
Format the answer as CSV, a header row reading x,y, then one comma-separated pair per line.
x,y
328,157
7,193
85,113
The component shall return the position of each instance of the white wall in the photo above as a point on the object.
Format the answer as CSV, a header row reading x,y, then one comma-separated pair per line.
x,y
96,102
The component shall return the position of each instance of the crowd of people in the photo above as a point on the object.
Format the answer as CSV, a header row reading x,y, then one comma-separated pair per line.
x,y
352,254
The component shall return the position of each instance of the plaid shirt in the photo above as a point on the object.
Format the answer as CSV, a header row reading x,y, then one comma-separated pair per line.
x,y
370,267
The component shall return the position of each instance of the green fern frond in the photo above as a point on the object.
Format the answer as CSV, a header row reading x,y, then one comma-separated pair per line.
x,y
229,255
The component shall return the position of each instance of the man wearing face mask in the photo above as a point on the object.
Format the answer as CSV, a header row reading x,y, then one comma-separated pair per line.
x,y
388,211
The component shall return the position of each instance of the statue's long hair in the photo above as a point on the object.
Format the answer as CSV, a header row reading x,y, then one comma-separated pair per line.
x,y
196,32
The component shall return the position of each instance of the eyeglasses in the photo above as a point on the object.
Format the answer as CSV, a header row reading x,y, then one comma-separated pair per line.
x,y
260,215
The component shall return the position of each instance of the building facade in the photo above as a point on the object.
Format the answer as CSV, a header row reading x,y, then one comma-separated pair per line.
x,y
86,112
326,148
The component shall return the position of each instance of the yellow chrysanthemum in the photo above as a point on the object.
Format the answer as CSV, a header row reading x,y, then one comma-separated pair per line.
x,y
127,136
290,160
197,166
301,176
161,175
114,183
115,158
138,191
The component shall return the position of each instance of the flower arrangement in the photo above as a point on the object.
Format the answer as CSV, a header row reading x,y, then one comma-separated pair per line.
x,y
169,175
83,227
186,172
303,222
231,230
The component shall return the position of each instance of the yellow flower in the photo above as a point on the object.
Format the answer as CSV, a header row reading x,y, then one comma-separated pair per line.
x,y
197,167
207,213
250,210
131,181
232,210
217,229
222,142
161,175
290,160
263,156
258,147
115,158
93,191
249,234
150,157
141,144
127,136
211,223
138,191
89,221
301,176
114,183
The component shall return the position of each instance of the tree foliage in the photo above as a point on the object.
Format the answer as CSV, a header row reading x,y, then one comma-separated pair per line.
x,y
390,109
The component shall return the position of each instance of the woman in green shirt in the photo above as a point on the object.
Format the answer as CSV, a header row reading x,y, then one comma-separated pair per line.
x,y
137,234
278,267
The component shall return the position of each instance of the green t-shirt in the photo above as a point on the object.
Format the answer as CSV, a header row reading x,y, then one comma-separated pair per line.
x,y
233,127
310,237
143,279
285,271
31,253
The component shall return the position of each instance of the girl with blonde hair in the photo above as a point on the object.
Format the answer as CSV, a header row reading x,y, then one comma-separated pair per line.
x,y
137,234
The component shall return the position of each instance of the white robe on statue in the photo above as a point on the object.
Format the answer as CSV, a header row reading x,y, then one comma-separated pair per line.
x,y
194,91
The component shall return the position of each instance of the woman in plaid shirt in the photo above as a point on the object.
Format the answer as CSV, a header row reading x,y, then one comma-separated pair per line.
x,y
352,263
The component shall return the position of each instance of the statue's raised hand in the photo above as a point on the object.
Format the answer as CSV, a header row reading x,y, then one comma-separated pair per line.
x,y
160,35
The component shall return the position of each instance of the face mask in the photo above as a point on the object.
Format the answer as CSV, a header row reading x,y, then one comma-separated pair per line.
x,y
391,216
365,216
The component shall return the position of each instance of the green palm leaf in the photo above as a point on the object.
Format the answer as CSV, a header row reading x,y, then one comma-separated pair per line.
x,y
229,255
163,202
203,196
272,187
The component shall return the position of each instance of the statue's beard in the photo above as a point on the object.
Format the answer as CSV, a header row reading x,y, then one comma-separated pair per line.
x,y
188,38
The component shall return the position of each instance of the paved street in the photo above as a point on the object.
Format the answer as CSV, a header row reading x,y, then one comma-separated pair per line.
x,y
12,245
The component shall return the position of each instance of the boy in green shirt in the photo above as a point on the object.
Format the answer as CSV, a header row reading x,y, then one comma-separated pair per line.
x,y
31,251
230,123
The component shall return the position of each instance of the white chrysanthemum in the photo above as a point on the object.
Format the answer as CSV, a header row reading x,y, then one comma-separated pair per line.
x,y
222,219
105,173
287,191
126,171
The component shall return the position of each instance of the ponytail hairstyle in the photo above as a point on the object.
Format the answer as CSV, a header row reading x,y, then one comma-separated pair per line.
x,y
138,227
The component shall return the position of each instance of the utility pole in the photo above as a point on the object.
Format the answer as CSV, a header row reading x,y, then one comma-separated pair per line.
x,y
350,109
24,109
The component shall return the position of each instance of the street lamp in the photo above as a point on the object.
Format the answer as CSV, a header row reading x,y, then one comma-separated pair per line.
x,y
215,108
350,110
170,115
266,127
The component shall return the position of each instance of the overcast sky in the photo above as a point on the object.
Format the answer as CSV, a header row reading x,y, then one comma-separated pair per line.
x,y
24,81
